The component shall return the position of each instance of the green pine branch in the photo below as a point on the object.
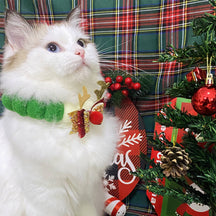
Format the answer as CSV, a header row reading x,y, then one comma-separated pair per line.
x,y
158,144
205,29
203,168
184,89
202,172
212,3
205,126
200,131
153,181
204,25
192,55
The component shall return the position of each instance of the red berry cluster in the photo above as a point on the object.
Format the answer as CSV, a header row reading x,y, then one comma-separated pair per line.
x,y
122,84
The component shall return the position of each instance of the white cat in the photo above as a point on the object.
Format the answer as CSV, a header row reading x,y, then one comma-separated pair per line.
x,y
45,171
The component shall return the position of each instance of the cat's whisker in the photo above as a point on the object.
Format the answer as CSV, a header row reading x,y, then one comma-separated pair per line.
x,y
114,46
120,64
106,50
109,67
107,54
99,46
104,55
114,68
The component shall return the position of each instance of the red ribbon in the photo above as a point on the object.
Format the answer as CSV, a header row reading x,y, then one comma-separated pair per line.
x,y
196,74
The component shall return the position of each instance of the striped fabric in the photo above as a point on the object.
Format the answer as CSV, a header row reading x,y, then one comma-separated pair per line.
x,y
130,35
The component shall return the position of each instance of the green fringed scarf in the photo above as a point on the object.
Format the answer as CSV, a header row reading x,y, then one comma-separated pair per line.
x,y
51,112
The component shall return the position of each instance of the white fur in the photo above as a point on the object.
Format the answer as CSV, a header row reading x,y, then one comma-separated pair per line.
x,y
44,171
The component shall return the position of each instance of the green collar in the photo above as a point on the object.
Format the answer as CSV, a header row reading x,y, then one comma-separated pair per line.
x,y
54,112
51,112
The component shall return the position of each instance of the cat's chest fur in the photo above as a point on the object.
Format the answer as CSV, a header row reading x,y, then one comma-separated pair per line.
x,y
52,168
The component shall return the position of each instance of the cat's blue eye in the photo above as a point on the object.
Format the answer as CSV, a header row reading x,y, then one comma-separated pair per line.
x,y
53,47
81,43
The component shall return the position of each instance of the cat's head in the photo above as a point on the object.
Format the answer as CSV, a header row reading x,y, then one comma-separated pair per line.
x,y
60,53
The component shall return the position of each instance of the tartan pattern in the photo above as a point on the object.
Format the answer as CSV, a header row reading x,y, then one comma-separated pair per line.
x,y
138,203
130,33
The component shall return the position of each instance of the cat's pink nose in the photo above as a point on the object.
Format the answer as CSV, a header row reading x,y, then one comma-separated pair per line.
x,y
80,52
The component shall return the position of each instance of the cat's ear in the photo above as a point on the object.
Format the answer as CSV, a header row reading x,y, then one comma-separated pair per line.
x,y
16,29
73,17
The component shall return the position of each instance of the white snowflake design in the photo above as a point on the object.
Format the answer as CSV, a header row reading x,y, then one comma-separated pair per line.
x,y
124,128
131,139
108,182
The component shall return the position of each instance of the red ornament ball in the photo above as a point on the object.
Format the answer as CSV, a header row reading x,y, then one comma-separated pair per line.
x,y
136,86
96,117
108,80
125,92
130,86
108,95
112,87
128,81
119,79
117,86
204,100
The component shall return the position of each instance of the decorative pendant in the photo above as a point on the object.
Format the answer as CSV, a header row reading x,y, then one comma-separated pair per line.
x,y
204,99
81,118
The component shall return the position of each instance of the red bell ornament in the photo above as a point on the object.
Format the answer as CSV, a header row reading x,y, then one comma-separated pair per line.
x,y
204,100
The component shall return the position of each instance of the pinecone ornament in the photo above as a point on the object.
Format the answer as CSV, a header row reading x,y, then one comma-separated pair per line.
x,y
175,162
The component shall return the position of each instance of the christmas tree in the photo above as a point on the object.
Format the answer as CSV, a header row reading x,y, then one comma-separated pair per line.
x,y
195,156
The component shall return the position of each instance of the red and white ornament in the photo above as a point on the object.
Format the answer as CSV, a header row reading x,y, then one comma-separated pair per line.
x,y
114,206
195,209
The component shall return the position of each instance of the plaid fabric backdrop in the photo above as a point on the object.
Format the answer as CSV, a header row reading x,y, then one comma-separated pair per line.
x,y
131,34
